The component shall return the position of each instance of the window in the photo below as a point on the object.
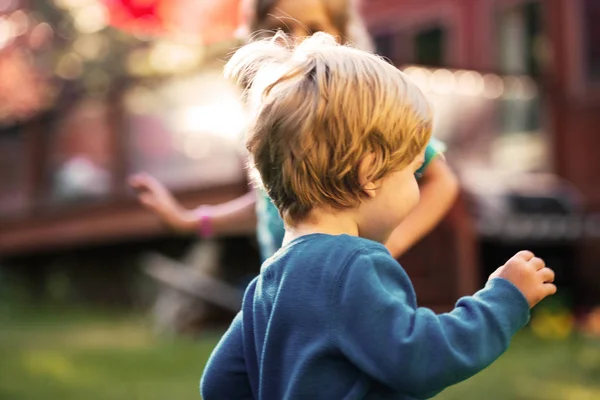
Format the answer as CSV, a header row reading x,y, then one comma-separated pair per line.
x,y
430,47
521,53
522,40
535,38
425,47
384,46
591,39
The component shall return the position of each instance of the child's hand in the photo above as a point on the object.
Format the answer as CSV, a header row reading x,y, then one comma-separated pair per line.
x,y
156,197
530,275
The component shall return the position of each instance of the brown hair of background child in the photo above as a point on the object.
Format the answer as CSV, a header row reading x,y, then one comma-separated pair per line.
x,y
338,17
320,110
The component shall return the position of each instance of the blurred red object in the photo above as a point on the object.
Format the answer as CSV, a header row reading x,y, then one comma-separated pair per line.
x,y
207,21
139,16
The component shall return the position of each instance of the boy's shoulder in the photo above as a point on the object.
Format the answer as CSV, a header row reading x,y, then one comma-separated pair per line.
x,y
370,258
318,249
325,268
329,255
331,244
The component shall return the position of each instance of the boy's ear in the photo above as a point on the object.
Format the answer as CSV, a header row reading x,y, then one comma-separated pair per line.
x,y
370,189
364,178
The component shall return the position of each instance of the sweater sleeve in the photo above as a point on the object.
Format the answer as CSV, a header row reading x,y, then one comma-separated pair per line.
x,y
225,376
413,350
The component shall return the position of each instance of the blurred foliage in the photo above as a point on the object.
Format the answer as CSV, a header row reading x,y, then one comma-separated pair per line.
x,y
60,47
56,49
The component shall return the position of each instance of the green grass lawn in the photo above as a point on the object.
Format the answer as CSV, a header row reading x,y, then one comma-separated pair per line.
x,y
76,355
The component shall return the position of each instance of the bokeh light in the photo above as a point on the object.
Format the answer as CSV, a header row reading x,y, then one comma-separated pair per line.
x,y
443,81
91,18
73,4
91,47
171,57
469,83
7,32
138,63
41,35
493,86
70,66
8,5
20,22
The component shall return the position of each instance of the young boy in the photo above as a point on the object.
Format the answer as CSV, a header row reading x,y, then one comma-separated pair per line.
x,y
337,137
301,18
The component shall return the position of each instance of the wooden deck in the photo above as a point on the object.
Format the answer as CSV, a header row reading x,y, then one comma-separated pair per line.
x,y
113,221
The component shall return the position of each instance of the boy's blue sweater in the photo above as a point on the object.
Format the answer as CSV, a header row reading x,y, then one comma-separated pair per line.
x,y
335,317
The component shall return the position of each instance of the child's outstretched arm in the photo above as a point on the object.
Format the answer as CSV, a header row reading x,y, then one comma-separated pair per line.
x,y
236,216
225,375
379,328
439,188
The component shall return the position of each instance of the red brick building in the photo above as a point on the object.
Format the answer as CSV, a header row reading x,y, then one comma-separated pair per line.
x,y
556,42
550,40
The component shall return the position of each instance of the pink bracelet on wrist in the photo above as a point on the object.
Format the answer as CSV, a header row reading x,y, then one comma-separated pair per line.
x,y
205,227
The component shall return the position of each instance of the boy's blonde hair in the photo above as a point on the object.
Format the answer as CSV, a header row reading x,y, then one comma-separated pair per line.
x,y
318,109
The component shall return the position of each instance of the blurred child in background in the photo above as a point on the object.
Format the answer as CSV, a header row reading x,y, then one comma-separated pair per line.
x,y
341,19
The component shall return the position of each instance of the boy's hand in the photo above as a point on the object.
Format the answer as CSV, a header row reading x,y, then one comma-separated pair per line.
x,y
156,197
530,275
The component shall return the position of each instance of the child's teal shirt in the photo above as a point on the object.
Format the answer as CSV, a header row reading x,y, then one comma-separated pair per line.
x,y
270,229
336,317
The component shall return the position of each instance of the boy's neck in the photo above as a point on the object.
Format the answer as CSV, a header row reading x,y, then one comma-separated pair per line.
x,y
328,223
